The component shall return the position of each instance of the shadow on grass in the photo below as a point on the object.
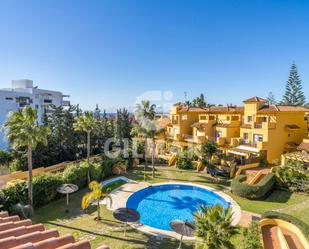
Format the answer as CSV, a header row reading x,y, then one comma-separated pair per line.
x,y
279,196
127,238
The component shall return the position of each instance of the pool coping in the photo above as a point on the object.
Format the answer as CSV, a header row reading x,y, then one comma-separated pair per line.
x,y
123,193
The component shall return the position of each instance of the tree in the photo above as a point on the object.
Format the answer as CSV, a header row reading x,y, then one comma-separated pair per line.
x,y
123,126
271,98
214,226
23,131
199,101
88,124
207,150
293,90
145,114
5,157
251,237
97,194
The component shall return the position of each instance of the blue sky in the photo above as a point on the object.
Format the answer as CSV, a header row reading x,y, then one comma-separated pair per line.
x,y
109,52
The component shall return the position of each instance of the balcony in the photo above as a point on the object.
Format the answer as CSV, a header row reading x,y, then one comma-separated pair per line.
x,y
255,144
66,103
174,136
264,125
188,138
175,122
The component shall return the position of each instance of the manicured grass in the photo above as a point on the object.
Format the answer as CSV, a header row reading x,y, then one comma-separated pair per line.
x,y
108,231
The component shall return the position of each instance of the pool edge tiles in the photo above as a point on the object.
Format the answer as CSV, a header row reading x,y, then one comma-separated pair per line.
x,y
161,232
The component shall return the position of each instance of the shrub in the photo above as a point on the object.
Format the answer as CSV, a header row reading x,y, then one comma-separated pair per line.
x,y
96,171
184,160
45,188
76,174
251,237
293,176
256,191
107,167
15,192
15,165
300,224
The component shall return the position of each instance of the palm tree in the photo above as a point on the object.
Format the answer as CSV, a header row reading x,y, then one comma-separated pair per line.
x,y
145,114
97,193
88,124
214,226
23,131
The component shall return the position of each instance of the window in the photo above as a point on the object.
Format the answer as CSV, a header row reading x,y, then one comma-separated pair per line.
x,y
228,118
264,119
235,118
258,138
211,117
184,117
250,119
203,117
246,136
48,101
9,98
218,133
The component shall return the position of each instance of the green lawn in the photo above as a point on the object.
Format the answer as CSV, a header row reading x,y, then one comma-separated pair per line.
x,y
108,231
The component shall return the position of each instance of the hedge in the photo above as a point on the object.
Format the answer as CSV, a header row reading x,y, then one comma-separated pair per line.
x,y
300,224
45,185
256,191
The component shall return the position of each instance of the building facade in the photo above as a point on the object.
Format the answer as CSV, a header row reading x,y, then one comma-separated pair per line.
x,y
249,133
22,93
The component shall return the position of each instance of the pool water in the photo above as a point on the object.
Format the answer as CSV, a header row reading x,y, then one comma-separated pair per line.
x,y
161,204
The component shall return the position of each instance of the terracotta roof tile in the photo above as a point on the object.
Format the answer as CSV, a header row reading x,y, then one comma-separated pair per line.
x,y
255,99
282,108
199,124
303,146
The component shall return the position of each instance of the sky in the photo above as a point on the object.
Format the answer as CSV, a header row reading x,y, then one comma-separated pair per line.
x,y
116,52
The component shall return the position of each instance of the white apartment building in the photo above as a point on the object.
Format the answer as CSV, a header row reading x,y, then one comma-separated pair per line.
x,y
23,93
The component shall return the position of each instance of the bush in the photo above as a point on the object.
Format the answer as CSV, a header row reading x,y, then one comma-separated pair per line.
x,y
15,192
107,167
45,188
15,165
184,160
293,176
251,237
256,191
96,171
300,224
76,174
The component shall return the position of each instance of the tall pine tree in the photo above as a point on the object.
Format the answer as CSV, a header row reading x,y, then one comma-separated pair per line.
x,y
293,89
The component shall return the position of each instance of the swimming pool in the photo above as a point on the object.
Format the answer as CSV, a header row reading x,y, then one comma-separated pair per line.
x,y
160,204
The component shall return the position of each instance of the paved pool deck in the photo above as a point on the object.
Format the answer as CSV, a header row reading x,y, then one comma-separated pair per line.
x,y
120,196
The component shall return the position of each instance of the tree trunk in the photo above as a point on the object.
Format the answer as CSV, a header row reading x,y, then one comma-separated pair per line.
x,y
30,192
99,218
153,156
88,147
88,157
146,163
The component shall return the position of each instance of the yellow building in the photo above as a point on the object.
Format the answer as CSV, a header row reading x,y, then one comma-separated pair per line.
x,y
179,131
219,124
268,131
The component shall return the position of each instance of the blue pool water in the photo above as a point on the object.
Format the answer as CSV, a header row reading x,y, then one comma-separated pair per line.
x,y
161,204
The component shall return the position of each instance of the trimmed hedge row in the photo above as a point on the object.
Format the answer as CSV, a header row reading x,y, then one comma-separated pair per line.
x,y
300,224
256,191
45,185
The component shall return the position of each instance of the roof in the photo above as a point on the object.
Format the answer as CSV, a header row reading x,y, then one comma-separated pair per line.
x,y
246,126
304,146
291,145
226,109
282,108
292,126
255,99
199,124
192,109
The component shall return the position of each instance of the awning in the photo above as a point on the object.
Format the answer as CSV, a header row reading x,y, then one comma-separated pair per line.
x,y
236,152
248,149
